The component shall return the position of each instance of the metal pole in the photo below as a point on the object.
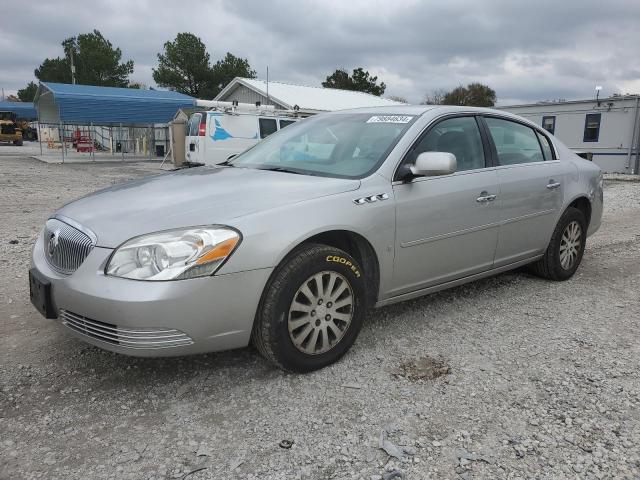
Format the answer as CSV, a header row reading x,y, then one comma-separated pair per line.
x,y
121,145
93,156
633,135
637,169
39,134
61,134
149,143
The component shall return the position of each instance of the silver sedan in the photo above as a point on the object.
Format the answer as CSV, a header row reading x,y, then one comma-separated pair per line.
x,y
288,245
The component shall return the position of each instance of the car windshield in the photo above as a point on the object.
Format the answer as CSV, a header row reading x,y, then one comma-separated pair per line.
x,y
336,145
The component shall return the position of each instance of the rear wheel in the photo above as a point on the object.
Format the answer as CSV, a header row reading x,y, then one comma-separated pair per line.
x,y
566,248
312,309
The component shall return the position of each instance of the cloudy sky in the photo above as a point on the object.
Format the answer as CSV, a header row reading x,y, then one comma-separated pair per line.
x,y
527,51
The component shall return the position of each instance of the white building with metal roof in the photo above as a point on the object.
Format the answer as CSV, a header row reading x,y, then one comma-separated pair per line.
x,y
288,96
607,128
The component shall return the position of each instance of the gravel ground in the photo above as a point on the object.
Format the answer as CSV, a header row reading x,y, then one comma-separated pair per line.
x,y
509,377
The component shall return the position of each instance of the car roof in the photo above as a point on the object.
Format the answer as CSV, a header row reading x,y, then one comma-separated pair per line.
x,y
435,110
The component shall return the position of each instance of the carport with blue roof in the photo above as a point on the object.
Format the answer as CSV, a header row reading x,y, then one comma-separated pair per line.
x,y
65,105
22,110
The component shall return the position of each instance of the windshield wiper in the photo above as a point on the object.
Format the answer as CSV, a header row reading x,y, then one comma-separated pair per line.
x,y
281,169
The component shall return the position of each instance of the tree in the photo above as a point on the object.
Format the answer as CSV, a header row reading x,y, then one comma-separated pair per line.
x,y
457,96
398,98
360,81
96,62
28,93
479,95
137,85
473,95
226,70
435,98
184,66
54,70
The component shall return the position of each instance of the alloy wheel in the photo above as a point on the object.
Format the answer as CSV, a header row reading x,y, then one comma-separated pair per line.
x,y
570,245
321,312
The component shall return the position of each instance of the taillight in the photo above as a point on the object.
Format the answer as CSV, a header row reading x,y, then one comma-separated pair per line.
x,y
203,128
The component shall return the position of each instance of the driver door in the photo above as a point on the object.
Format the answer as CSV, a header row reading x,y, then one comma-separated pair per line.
x,y
447,226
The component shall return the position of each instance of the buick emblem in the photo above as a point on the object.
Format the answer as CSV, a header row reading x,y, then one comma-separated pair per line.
x,y
53,242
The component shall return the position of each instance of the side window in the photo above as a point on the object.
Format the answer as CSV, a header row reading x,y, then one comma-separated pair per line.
x,y
284,123
549,124
459,136
267,126
515,143
591,127
546,146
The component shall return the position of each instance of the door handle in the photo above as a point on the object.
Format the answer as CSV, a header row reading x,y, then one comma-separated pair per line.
x,y
551,185
485,197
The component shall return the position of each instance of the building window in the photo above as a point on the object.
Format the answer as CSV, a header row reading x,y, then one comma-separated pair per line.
x,y
549,124
591,127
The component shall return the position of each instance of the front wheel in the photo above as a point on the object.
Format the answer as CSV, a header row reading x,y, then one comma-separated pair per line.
x,y
312,309
566,248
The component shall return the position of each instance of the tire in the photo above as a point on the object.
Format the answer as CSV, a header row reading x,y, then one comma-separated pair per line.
x,y
555,266
284,331
17,142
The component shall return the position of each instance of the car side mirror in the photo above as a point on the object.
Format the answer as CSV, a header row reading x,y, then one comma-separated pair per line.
x,y
431,164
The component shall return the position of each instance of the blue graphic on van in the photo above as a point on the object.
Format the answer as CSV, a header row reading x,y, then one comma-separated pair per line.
x,y
222,134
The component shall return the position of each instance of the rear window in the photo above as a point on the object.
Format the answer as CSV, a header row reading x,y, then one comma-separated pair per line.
x,y
193,125
515,143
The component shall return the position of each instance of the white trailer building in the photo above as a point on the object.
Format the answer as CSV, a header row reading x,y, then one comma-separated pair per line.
x,y
608,128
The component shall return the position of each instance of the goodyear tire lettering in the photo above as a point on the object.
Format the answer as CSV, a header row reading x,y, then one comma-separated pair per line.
x,y
345,262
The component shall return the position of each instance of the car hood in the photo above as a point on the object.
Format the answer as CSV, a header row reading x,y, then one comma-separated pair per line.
x,y
195,196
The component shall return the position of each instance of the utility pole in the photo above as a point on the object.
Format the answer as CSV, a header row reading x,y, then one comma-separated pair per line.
x,y
268,103
73,67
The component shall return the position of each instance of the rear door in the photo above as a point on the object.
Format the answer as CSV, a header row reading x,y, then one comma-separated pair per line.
x,y
531,188
195,144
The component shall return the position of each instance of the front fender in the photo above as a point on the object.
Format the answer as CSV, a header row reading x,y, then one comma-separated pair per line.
x,y
269,236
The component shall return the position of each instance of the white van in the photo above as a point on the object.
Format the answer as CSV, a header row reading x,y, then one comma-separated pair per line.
x,y
213,136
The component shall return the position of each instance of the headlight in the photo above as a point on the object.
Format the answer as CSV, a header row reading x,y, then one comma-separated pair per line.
x,y
173,254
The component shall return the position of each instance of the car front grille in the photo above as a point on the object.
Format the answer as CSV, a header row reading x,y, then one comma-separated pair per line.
x,y
149,338
65,247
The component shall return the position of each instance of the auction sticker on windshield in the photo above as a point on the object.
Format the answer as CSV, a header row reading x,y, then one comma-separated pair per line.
x,y
390,119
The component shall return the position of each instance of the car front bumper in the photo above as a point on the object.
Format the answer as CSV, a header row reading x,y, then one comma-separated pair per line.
x,y
153,319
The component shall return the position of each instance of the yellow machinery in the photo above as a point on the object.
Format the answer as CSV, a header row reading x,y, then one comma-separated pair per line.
x,y
10,131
